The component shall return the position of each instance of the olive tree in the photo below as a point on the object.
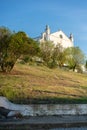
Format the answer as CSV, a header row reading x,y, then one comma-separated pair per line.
x,y
52,55
86,65
46,49
12,46
58,55
75,57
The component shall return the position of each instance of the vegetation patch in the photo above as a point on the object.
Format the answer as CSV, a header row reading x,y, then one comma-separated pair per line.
x,y
39,84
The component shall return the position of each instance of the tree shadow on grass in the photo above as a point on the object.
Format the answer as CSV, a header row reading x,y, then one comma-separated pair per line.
x,y
49,100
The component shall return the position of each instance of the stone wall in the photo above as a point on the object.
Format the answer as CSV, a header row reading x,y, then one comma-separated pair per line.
x,y
45,109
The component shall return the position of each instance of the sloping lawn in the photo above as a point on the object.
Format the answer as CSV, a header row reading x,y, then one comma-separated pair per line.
x,y
39,84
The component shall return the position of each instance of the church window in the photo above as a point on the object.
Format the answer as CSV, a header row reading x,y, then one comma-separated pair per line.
x,y
61,36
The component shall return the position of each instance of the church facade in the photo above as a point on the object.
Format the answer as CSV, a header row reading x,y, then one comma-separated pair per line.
x,y
58,37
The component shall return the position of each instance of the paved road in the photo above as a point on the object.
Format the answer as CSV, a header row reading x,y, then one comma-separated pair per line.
x,y
47,120
46,123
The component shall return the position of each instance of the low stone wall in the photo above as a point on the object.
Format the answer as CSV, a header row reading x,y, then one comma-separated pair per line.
x,y
45,109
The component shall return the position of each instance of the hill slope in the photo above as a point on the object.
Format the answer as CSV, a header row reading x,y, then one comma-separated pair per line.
x,y
36,84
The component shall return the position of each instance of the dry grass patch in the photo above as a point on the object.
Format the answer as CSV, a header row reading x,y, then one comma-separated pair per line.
x,y
37,84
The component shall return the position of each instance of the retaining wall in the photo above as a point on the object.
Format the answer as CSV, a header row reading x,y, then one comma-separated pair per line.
x,y
45,109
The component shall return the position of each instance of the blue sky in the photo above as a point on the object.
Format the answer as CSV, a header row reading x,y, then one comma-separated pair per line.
x,y
31,16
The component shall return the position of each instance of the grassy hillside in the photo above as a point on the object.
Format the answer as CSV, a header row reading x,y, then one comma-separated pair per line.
x,y
36,84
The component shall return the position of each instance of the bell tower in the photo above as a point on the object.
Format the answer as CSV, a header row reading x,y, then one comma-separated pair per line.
x,y
71,37
47,31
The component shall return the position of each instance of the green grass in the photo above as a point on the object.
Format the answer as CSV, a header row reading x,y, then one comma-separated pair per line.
x,y
39,84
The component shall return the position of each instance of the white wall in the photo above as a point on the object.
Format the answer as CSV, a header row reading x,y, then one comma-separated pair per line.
x,y
64,41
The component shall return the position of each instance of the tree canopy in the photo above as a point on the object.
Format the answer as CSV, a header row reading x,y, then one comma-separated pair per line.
x,y
74,57
12,46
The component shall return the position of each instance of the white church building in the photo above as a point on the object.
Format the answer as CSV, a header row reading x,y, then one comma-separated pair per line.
x,y
58,37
